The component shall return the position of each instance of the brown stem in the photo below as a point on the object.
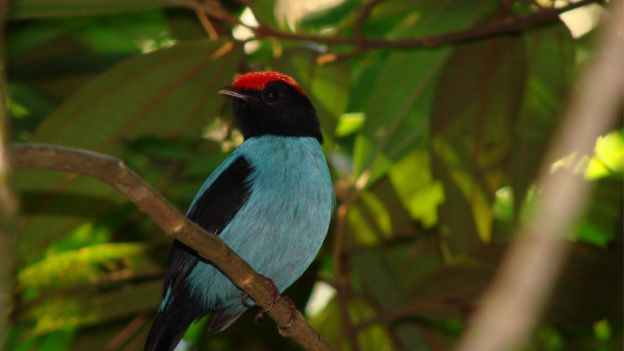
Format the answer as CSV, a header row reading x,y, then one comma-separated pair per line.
x,y
114,172
512,305
214,10
127,333
341,275
363,14
495,28
207,25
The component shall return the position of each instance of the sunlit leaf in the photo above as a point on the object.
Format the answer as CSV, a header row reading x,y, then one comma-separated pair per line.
x,y
83,308
609,156
414,182
369,220
349,123
87,266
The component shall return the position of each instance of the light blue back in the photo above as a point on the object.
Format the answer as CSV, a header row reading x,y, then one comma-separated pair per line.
x,y
281,227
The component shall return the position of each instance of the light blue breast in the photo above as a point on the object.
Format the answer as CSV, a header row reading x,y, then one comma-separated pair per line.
x,y
281,227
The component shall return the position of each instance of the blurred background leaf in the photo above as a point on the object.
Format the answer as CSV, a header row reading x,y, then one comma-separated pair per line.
x,y
22,9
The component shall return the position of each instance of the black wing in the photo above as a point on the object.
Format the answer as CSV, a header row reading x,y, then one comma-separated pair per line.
x,y
213,210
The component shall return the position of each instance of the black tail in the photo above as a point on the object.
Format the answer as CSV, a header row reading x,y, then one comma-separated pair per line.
x,y
173,317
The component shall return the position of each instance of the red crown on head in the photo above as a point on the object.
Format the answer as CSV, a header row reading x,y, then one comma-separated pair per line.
x,y
258,80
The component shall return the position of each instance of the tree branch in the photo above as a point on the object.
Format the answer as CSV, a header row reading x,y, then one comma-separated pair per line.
x,y
363,14
503,26
114,172
8,202
512,305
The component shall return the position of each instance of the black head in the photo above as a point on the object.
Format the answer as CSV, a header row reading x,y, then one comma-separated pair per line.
x,y
271,103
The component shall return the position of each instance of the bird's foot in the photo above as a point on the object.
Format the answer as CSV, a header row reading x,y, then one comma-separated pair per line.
x,y
292,309
293,312
246,300
259,316
275,296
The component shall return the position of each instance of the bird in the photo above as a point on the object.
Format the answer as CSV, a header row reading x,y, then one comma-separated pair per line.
x,y
270,201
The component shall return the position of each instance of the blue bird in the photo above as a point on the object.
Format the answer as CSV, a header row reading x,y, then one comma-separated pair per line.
x,y
270,201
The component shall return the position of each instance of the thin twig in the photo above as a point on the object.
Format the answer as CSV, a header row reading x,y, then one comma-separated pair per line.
x,y
495,28
333,57
207,25
214,10
114,172
512,305
363,14
341,276
129,331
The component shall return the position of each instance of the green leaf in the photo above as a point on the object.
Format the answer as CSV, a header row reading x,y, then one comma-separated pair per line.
x,y
608,158
591,274
602,219
62,311
550,64
329,17
26,9
369,220
401,19
349,123
58,340
168,93
184,24
398,104
420,193
265,13
126,33
476,103
90,265
373,338
602,330
386,280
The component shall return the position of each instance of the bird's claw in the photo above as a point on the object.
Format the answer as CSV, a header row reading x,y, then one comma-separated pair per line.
x,y
275,296
258,317
293,312
245,300
292,308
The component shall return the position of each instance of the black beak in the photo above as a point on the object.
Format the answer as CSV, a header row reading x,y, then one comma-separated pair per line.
x,y
233,94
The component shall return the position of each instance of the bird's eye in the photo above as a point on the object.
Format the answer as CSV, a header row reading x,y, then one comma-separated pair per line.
x,y
270,96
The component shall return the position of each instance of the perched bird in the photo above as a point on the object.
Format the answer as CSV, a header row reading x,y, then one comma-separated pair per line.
x,y
270,201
